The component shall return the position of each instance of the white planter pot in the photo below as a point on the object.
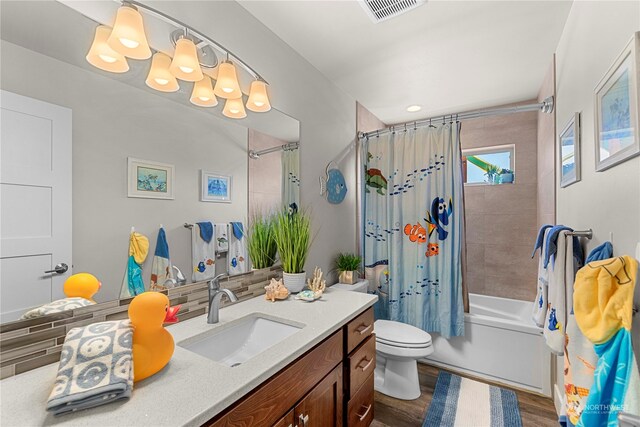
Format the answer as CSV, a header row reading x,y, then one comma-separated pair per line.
x,y
295,282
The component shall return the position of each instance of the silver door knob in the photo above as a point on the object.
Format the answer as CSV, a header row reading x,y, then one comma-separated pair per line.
x,y
59,269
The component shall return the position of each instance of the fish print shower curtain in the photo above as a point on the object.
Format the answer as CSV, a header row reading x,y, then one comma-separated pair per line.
x,y
413,226
291,179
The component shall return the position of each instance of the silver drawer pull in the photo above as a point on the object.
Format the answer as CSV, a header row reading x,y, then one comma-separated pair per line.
x,y
366,366
304,420
363,416
363,329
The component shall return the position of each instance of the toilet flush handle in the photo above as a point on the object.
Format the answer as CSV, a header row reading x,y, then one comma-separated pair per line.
x,y
362,329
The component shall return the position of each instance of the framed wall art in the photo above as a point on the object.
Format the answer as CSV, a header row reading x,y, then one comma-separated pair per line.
x,y
150,180
215,187
616,109
569,152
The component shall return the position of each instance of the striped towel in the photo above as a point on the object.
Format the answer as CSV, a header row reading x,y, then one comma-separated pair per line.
x,y
96,367
463,402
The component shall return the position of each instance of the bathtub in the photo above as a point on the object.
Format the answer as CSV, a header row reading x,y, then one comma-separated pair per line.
x,y
501,344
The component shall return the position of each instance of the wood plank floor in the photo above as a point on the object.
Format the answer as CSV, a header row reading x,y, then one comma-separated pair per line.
x,y
536,410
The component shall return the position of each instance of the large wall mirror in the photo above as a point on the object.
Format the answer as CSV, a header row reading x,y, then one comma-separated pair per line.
x,y
73,137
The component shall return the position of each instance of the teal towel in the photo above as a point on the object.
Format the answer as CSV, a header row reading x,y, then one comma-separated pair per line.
x,y
613,383
96,367
134,277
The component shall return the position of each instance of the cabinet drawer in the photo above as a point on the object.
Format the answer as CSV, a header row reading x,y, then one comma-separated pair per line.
x,y
360,408
361,364
359,329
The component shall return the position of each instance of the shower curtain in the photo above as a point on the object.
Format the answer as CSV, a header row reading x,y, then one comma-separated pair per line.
x,y
413,226
291,178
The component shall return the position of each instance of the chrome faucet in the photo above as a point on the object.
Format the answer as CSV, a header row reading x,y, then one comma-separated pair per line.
x,y
215,295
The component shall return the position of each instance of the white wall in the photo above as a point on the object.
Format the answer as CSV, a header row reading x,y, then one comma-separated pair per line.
x,y
326,114
265,175
609,201
112,121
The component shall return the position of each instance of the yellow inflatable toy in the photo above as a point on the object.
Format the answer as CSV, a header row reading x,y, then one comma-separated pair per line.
x,y
152,344
83,285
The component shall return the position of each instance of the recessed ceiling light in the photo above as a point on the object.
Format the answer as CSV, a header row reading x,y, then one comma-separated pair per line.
x,y
413,108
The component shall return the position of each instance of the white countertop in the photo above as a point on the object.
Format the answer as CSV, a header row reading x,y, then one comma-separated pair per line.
x,y
191,389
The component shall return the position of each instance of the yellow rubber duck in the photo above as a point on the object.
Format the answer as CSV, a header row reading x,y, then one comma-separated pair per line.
x,y
152,344
83,285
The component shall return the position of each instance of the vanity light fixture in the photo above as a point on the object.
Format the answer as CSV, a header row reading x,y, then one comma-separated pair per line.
x,y
185,64
234,109
227,85
102,56
258,97
159,77
202,94
195,59
128,37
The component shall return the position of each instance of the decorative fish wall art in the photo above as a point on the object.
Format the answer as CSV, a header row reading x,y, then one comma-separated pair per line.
x,y
333,185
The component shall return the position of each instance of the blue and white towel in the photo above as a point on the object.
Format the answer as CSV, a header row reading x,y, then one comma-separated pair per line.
x,y
57,306
237,249
203,252
161,270
96,367
539,312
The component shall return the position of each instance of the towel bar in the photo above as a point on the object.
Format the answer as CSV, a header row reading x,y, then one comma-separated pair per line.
x,y
583,233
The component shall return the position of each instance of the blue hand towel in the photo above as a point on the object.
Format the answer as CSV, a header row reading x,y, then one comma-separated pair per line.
x,y
206,231
238,230
540,239
96,367
602,252
551,246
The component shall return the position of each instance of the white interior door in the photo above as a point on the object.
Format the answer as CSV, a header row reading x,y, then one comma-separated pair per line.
x,y
35,203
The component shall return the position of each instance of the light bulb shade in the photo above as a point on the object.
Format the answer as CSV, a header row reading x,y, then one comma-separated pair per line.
x,y
128,37
234,109
185,64
202,94
227,85
159,77
102,56
258,98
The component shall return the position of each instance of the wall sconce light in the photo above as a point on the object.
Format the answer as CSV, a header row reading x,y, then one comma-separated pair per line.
x,y
102,56
159,77
128,37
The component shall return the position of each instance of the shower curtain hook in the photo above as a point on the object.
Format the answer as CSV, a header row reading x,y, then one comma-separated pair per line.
x,y
405,127
378,134
415,125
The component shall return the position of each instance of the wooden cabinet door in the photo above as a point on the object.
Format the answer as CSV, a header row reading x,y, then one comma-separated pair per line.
x,y
322,406
286,421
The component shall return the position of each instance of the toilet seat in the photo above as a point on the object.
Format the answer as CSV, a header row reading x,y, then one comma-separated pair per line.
x,y
396,334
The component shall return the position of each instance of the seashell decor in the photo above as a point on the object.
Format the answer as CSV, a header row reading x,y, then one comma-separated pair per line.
x,y
317,284
276,290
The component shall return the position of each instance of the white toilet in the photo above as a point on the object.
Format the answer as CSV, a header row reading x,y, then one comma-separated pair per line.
x,y
398,348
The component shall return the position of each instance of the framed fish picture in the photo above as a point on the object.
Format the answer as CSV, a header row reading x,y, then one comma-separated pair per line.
x,y
149,180
569,152
616,104
215,187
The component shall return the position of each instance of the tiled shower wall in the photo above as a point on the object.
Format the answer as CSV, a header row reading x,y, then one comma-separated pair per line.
x,y
501,220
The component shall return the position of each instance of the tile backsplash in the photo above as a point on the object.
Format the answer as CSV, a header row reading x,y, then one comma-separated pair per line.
x,y
29,344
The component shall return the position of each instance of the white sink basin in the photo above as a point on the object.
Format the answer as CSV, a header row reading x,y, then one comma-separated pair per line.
x,y
240,340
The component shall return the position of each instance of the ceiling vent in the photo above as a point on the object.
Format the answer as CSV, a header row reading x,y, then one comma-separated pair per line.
x,y
381,10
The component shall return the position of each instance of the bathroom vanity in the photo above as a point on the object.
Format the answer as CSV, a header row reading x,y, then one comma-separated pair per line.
x,y
319,375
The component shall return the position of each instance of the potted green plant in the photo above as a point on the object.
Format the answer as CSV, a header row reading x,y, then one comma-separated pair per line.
x,y
506,176
348,265
261,241
292,233
493,174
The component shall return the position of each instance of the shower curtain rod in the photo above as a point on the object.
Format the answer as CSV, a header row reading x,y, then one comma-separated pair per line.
x,y
545,106
256,154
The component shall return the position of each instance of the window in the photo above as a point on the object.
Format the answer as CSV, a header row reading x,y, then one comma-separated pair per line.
x,y
488,165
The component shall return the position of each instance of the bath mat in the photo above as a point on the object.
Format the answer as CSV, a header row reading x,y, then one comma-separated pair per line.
x,y
463,402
